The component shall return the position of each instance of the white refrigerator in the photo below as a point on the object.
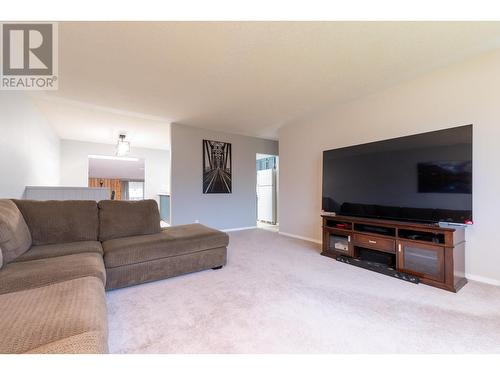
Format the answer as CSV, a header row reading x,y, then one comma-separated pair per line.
x,y
266,196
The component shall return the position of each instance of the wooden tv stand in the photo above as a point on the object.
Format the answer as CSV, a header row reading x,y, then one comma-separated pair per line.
x,y
433,253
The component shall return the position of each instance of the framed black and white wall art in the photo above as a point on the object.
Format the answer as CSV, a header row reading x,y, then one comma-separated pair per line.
x,y
217,169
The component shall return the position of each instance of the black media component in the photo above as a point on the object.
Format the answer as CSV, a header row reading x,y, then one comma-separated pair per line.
x,y
378,267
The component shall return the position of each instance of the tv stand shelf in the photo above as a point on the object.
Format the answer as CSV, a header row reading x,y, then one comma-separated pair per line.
x,y
433,253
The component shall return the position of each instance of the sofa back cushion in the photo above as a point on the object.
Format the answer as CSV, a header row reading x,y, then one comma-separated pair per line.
x,y
15,237
128,218
52,222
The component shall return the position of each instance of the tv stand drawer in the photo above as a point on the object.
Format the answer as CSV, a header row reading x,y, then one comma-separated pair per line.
x,y
376,243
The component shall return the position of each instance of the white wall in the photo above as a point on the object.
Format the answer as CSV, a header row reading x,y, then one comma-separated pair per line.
x,y
222,211
74,165
29,148
467,93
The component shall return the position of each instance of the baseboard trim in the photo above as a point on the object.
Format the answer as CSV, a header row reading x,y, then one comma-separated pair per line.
x,y
237,229
481,279
300,237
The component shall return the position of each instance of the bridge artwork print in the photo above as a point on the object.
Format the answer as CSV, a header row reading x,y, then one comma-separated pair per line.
x,y
216,167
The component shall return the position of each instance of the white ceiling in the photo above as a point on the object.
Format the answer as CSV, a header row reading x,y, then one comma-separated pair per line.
x,y
120,169
93,123
241,77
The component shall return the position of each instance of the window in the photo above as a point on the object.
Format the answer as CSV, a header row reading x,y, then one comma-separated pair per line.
x,y
266,163
135,190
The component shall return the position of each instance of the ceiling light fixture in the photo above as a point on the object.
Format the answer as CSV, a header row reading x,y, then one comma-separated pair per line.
x,y
105,157
123,146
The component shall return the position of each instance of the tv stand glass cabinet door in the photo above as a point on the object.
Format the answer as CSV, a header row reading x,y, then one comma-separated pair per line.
x,y
423,260
339,242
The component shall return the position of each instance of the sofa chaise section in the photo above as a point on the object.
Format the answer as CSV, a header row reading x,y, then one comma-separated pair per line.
x,y
173,241
169,252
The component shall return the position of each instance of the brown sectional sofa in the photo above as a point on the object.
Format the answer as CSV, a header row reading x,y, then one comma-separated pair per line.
x,y
57,258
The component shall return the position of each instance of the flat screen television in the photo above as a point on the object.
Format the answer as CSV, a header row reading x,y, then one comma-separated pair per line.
x,y
424,178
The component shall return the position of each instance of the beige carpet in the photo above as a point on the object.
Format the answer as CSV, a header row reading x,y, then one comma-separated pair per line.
x,y
278,295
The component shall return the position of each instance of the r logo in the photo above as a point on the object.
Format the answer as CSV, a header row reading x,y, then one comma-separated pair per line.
x,y
27,49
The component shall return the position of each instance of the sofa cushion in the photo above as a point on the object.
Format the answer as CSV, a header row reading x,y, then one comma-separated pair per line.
x,y
67,317
182,239
52,222
19,276
128,218
15,237
57,250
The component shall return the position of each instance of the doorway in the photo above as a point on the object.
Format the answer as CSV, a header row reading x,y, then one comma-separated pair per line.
x,y
124,177
267,169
